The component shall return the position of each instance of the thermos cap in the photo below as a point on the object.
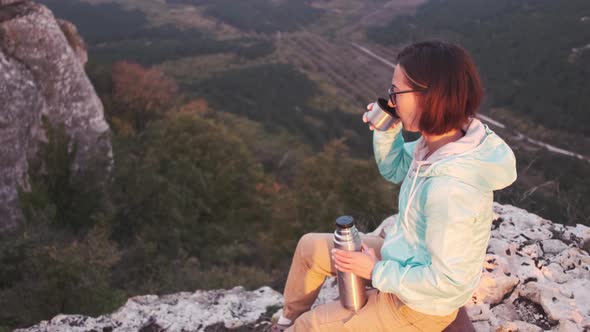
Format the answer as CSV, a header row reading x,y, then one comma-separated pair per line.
x,y
344,222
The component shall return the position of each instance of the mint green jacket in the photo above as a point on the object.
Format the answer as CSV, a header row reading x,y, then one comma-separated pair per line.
x,y
433,255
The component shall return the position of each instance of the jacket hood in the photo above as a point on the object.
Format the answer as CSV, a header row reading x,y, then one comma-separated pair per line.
x,y
480,158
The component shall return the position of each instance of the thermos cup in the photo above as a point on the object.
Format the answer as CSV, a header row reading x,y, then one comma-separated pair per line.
x,y
351,287
381,116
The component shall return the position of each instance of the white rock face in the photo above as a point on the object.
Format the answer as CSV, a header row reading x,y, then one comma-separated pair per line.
x,y
42,74
536,277
176,312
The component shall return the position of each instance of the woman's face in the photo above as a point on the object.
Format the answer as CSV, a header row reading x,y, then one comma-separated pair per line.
x,y
407,103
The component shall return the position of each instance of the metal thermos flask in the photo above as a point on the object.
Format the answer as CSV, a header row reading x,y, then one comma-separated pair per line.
x,y
351,287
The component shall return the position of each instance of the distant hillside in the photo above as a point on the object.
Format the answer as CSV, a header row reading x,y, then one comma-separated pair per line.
x,y
263,16
212,62
129,35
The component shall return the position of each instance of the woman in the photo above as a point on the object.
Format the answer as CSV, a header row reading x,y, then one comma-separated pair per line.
x,y
430,261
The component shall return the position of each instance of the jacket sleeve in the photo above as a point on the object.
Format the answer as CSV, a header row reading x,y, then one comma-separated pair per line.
x,y
454,267
392,154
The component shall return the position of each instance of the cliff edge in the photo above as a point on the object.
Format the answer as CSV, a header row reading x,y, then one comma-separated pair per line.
x,y
536,277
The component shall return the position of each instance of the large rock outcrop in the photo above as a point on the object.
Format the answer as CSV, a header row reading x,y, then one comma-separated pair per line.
x,y
536,277
42,67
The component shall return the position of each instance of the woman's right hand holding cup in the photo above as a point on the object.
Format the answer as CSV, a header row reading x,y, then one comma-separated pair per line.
x,y
370,107
365,119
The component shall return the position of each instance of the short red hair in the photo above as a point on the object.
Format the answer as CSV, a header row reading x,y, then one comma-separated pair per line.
x,y
454,87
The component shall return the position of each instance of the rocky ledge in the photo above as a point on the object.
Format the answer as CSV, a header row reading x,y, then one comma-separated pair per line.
x,y
536,277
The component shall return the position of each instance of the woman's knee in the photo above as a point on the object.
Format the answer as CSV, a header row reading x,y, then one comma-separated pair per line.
x,y
311,246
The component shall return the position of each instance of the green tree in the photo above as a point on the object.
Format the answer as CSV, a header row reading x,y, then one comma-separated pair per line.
x,y
59,195
52,272
186,185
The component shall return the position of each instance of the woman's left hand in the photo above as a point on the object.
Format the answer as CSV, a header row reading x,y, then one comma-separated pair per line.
x,y
360,263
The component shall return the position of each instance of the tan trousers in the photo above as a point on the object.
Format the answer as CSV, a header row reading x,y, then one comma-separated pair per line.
x,y
311,265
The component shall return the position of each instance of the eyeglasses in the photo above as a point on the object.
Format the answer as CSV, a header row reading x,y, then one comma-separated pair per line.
x,y
392,94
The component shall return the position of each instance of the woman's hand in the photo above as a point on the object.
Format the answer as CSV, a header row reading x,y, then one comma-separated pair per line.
x,y
365,120
359,263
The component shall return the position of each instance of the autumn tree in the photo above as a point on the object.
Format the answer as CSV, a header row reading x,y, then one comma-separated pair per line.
x,y
140,94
